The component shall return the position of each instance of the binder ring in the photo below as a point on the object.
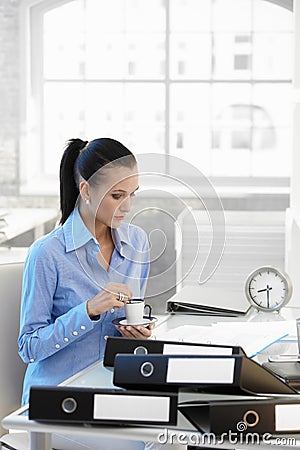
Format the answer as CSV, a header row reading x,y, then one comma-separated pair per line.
x,y
69,405
147,369
140,350
253,415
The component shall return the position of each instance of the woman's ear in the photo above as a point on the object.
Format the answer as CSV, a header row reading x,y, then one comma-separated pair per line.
x,y
84,190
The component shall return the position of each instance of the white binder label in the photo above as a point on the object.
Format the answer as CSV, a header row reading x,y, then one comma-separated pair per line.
x,y
202,370
131,407
173,349
287,417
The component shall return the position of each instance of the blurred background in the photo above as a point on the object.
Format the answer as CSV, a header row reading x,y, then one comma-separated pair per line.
x,y
210,82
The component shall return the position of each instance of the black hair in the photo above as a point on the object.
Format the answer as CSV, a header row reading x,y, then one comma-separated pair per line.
x,y
84,159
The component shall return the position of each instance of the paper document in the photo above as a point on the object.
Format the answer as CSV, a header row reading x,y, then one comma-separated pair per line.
x,y
253,337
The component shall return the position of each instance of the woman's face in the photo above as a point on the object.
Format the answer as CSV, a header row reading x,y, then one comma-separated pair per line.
x,y
112,198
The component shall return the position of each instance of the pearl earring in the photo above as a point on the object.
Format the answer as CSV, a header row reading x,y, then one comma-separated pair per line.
x,y
87,202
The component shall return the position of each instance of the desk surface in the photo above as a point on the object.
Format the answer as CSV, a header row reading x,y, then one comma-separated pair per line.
x,y
16,221
99,376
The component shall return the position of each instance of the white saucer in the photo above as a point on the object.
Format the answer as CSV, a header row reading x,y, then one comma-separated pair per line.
x,y
122,321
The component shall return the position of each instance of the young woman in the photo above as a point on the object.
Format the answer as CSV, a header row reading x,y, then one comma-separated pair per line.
x,y
78,278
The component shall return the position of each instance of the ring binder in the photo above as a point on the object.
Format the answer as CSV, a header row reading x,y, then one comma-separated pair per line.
x,y
276,415
120,345
102,406
202,300
289,372
226,373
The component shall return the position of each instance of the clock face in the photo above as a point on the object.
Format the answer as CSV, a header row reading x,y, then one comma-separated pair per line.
x,y
268,288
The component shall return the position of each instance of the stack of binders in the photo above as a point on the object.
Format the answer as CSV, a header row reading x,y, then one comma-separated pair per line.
x,y
157,377
265,404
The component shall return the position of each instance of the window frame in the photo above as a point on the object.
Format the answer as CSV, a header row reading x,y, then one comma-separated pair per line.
x,y
31,141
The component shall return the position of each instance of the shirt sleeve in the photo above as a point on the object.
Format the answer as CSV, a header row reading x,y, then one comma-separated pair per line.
x,y
40,334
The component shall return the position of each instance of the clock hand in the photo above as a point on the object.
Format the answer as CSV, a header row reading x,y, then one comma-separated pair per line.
x,y
267,289
263,290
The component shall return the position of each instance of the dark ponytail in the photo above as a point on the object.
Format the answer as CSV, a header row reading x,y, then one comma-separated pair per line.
x,y
68,184
83,159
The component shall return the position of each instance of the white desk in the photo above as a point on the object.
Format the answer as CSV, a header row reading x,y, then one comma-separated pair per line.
x,y
173,323
16,221
98,376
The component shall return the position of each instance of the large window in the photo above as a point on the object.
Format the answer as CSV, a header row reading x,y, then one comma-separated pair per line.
x,y
208,81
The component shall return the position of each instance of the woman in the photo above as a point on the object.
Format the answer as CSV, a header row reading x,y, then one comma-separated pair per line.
x,y
78,278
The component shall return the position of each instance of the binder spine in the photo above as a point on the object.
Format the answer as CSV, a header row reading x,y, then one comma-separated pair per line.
x,y
107,406
281,415
173,372
116,345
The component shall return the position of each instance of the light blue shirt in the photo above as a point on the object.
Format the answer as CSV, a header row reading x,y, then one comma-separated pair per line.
x,y
61,272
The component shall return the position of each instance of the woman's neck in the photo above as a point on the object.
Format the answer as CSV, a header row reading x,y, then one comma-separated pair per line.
x,y
99,230
103,234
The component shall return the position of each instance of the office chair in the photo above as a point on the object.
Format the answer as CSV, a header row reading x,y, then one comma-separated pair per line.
x,y
12,367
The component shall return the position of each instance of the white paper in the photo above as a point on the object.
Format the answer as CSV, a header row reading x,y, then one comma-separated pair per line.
x,y
173,349
287,417
137,408
200,370
253,337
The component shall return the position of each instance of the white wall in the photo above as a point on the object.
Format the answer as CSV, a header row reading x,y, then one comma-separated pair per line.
x,y
293,215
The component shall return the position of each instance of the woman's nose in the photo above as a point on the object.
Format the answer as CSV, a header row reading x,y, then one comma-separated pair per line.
x,y
126,205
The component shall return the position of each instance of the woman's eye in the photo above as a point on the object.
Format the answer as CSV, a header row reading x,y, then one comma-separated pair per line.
x,y
116,196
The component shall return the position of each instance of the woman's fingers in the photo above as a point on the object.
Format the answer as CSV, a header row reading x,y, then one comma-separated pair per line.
x,y
122,292
139,332
117,304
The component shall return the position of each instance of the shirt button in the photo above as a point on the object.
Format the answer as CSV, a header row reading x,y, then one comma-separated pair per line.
x,y
75,333
57,346
112,310
82,327
31,360
66,339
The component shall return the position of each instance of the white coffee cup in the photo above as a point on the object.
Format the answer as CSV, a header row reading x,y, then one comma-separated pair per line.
x,y
134,311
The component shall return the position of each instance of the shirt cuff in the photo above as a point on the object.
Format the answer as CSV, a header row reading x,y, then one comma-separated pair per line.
x,y
95,318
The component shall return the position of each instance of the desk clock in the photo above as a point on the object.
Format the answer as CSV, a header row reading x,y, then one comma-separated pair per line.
x,y
268,288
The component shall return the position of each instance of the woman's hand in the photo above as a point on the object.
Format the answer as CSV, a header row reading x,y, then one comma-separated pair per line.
x,y
108,298
137,332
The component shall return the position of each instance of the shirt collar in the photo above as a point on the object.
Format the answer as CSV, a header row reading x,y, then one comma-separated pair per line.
x,y
121,236
77,234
